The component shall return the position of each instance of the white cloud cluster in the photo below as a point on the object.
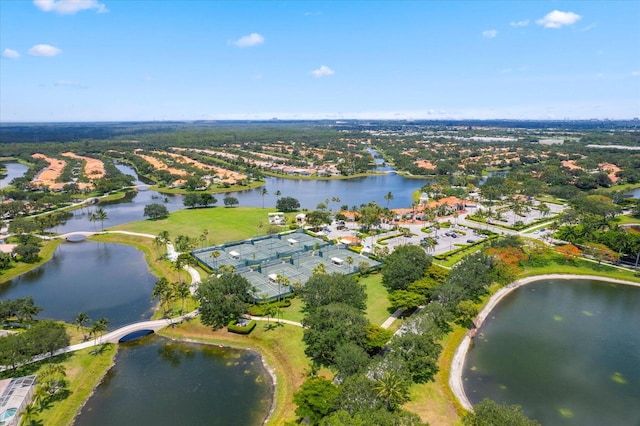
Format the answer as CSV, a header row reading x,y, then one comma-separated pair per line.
x,y
69,7
523,23
44,50
10,54
558,19
250,40
490,33
323,71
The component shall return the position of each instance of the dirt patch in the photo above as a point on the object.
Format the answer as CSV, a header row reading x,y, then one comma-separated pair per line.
x,y
156,163
48,176
226,176
93,169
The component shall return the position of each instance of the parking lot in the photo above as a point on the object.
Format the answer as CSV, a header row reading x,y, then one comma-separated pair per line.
x,y
446,239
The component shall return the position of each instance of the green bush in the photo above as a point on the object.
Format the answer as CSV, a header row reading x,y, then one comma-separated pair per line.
x,y
233,327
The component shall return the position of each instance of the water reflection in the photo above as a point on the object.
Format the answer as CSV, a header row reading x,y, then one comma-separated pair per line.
x,y
158,381
103,280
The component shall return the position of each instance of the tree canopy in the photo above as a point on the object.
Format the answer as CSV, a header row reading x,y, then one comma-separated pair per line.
x,y
405,265
323,289
223,299
490,413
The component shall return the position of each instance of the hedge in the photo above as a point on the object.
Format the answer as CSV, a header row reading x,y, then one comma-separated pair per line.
x,y
239,329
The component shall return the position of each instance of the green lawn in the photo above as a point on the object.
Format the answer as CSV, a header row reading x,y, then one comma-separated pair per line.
x,y
224,224
558,265
377,299
294,312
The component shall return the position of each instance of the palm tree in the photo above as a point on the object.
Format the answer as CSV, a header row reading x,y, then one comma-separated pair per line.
x,y
319,269
278,194
263,192
100,215
39,396
162,290
335,200
98,328
164,236
392,389
80,321
349,261
388,197
215,255
182,291
28,415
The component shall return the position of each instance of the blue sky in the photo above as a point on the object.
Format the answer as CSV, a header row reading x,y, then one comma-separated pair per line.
x,y
106,60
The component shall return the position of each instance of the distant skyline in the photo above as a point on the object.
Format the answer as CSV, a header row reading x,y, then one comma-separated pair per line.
x,y
119,60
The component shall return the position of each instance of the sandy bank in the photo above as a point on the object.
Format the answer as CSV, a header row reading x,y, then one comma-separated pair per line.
x,y
457,365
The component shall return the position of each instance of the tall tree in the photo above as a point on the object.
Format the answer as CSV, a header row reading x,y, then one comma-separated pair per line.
x,y
405,265
263,192
223,298
81,319
323,289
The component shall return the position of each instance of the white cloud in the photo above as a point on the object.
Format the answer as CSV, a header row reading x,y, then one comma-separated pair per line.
x,y
10,54
523,23
490,33
250,40
506,71
557,19
69,7
323,71
312,13
44,50
635,73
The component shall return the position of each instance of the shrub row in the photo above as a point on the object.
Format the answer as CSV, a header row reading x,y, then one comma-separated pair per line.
x,y
233,327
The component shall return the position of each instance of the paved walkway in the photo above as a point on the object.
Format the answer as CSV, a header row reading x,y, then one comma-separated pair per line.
x,y
277,320
394,316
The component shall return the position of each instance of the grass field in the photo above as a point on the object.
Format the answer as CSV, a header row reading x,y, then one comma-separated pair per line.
x,y
281,346
378,306
224,224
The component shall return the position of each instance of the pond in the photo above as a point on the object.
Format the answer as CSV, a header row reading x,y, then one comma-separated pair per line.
x,y
156,381
568,351
14,170
103,280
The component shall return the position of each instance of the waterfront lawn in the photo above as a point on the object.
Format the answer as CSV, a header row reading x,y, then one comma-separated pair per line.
x,y
46,252
152,254
434,401
557,265
224,224
84,372
378,305
281,347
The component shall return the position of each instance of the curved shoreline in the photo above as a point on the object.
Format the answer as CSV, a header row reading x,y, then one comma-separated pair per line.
x,y
457,364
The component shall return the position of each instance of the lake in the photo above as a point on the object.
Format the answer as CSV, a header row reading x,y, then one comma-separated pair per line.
x,y
568,351
103,280
156,381
351,192
14,170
